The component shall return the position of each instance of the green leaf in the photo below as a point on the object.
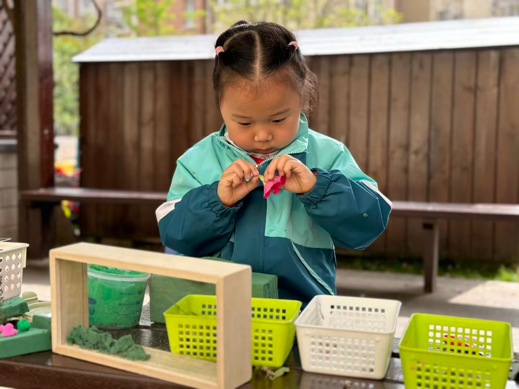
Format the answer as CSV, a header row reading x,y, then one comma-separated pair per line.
x,y
279,372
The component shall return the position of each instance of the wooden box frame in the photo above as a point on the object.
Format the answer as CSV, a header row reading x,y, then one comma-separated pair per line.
x,y
69,291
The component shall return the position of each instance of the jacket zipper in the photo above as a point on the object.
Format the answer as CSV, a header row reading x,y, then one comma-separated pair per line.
x,y
247,156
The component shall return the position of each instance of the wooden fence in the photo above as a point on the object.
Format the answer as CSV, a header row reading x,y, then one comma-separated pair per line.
x,y
427,126
7,77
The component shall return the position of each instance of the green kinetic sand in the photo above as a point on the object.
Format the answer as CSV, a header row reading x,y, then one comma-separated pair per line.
x,y
115,297
167,291
113,270
94,339
16,306
32,341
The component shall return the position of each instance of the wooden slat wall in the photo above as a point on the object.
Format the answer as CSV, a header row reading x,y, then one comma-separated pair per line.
x,y
485,135
427,126
7,77
507,177
398,147
418,152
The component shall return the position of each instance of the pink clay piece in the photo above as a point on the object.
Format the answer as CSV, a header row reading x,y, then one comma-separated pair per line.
x,y
8,330
273,186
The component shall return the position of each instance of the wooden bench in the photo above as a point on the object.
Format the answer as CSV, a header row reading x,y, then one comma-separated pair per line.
x,y
430,213
45,200
92,196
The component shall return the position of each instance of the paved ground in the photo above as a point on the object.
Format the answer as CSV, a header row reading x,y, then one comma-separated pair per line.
x,y
491,300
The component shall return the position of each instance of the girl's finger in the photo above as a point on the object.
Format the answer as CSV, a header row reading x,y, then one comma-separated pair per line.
x,y
281,164
236,179
233,167
228,174
249,170
226,179
270,172
283,160
237,168
252,184
290,167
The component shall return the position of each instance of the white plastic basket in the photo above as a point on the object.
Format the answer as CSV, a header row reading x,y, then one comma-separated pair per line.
x,y
347,336
13,257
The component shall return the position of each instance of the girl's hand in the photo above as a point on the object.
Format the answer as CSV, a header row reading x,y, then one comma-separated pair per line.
x,y
232,186
299,179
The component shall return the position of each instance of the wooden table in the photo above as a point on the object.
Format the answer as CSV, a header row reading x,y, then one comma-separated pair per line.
x,y
49,370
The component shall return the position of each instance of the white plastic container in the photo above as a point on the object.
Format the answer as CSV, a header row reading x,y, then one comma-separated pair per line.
x,y
347,336
13,257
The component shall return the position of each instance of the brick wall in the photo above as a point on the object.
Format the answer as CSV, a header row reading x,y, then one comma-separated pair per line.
x,y
8,195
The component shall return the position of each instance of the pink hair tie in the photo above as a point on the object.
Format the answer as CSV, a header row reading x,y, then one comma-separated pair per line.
x,y
294,43
219,50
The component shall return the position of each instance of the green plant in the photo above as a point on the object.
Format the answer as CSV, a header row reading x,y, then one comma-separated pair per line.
x,y
150,18
154,18
471,268
300,14
66,73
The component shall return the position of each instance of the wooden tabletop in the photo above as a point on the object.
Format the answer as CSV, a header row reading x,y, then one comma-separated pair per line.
x,y
48,370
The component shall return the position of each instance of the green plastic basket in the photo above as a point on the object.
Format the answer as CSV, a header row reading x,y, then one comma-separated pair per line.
x,y
191,325
442,352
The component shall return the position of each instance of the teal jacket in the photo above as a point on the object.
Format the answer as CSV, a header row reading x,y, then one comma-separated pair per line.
x,y
289,235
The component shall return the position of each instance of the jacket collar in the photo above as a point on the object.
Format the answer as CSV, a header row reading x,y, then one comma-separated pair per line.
x,y
298,145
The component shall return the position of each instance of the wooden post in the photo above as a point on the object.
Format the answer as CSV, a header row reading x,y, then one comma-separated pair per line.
x,y
35,125
431,231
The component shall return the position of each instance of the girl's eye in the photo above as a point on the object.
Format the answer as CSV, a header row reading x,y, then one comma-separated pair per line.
x,y
244,124
279,120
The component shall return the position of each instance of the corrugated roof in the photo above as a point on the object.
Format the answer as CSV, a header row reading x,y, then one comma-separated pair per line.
x,y
375,39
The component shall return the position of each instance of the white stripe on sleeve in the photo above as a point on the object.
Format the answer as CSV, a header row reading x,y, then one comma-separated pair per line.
x,y
374,189
165,208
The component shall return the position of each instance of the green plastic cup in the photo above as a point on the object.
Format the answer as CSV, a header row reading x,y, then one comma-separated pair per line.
x,y
115,297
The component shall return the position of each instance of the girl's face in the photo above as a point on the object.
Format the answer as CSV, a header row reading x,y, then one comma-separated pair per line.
x,y
261,122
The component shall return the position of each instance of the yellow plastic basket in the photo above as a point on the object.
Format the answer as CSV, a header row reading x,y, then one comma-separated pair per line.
x,y
442,352
191,325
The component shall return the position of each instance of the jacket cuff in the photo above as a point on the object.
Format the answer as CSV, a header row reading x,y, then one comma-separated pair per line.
x,y
215,205
319,190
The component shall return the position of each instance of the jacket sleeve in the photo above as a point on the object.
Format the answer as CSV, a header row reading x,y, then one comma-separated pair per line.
x,y
347,203
194,221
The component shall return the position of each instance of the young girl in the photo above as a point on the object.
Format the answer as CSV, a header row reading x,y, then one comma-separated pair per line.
x,y
216,204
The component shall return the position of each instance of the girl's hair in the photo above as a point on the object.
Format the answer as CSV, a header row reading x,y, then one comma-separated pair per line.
x,y
258,51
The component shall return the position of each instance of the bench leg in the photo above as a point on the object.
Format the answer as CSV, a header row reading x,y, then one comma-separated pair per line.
x,y
38,228
48,229
431,254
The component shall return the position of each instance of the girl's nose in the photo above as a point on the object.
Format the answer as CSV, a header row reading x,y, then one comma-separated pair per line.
x,y
262,136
